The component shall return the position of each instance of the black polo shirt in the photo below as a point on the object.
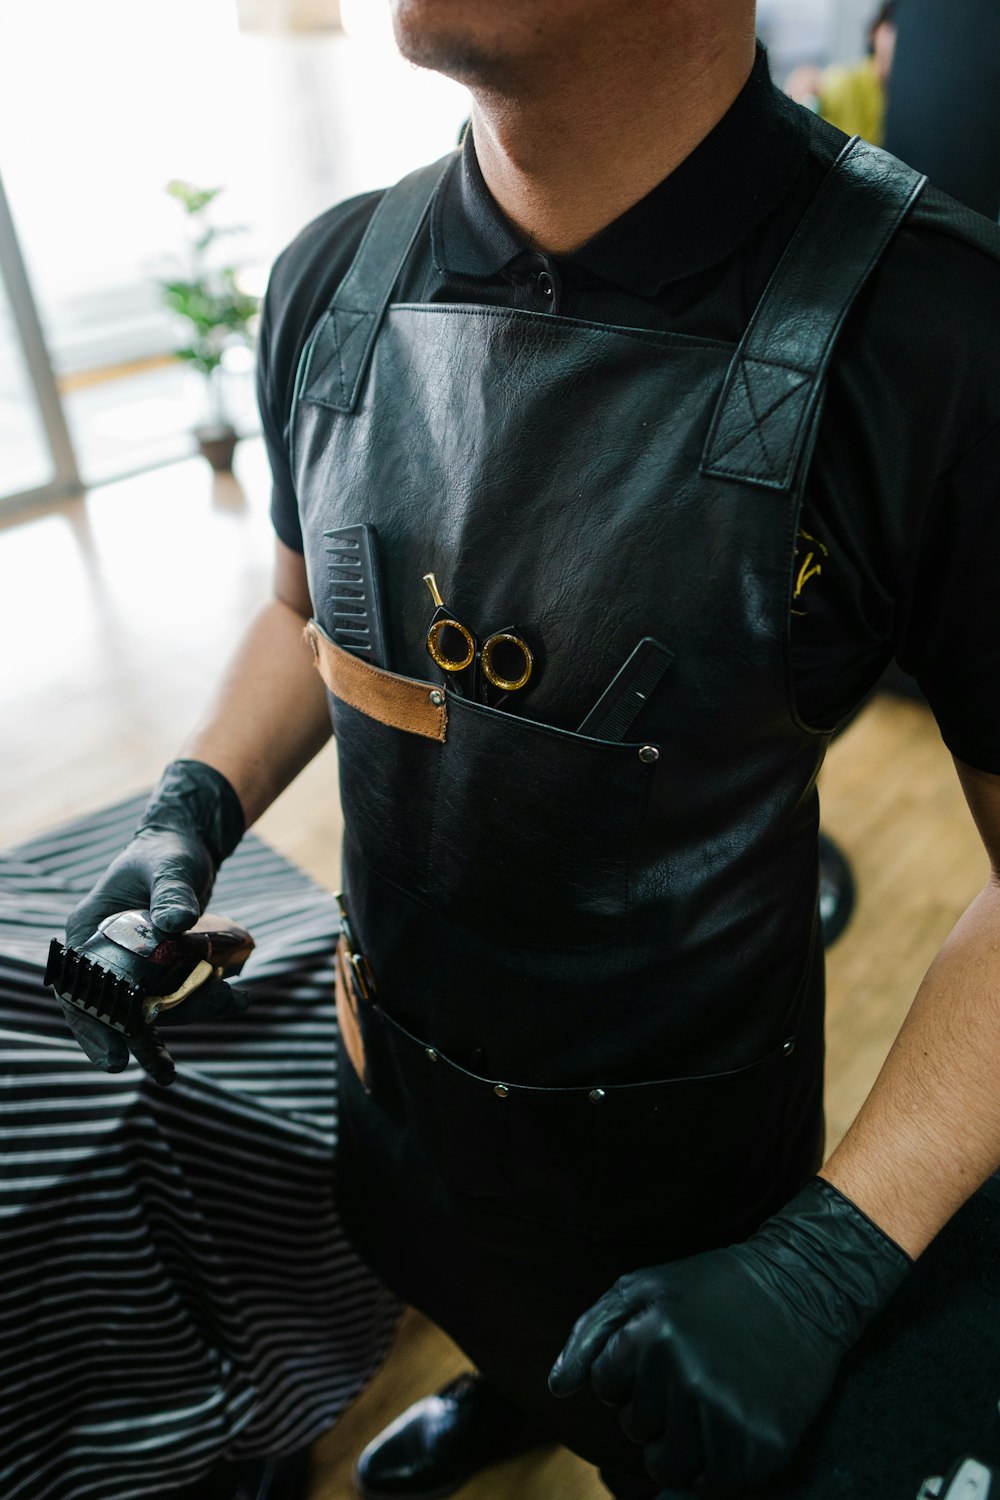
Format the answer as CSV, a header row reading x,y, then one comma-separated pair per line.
x,y
899,541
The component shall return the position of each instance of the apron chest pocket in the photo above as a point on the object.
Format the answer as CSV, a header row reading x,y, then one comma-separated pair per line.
x,y
388,790
389,731
534,828
506,826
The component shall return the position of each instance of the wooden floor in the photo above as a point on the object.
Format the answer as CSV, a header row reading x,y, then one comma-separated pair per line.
x,y
116,613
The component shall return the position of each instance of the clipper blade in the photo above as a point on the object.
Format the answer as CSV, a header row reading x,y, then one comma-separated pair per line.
x,y
92,988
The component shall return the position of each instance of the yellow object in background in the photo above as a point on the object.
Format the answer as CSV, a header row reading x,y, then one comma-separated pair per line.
x,y
853,99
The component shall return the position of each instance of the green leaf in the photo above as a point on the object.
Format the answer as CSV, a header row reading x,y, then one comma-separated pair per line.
x,y
194,200
207,298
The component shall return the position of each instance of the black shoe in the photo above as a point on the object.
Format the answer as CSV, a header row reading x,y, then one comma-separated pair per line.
x,y
441,1442
836,890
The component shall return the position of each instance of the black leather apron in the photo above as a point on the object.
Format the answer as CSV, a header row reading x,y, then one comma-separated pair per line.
x,y
598,1033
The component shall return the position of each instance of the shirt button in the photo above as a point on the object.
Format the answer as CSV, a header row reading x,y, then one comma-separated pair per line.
x,y
546,285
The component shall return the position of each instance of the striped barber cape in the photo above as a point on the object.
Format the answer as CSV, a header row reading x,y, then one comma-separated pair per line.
x,y
175,1286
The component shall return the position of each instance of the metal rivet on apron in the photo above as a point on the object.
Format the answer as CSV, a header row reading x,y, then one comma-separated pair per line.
x,y
648,754
437,697
501,1090
789,1046
596,1095
430,1054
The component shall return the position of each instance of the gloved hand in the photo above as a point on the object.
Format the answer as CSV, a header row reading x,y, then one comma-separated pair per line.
x,y
191,822
719,1362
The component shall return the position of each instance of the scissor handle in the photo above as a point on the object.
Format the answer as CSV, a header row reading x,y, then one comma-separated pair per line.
x,y
436,638
487,658
501,640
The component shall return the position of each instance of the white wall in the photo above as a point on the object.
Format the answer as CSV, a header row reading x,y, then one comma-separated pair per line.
x,y
818,31
102,102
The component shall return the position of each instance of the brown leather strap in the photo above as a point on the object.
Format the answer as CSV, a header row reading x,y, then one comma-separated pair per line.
x,y
401,702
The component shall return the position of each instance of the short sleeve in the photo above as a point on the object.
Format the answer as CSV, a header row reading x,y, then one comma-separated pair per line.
x,y
271,402
950,640
303,280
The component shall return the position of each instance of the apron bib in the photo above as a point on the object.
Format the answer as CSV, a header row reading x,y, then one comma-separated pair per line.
x,y
595,1034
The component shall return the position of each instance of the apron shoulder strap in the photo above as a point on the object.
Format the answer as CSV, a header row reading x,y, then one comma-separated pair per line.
x,y
764,418
336,356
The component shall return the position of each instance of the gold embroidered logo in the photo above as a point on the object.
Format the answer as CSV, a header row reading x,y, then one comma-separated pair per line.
x,y
809,568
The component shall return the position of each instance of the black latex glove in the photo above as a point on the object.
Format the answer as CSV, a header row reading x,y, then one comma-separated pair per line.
x,y
191,822
718,1363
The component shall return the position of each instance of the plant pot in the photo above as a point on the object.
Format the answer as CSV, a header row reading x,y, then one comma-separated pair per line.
x,y
218,444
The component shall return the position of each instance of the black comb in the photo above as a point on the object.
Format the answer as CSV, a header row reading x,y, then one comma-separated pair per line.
x,y
354,595
618,707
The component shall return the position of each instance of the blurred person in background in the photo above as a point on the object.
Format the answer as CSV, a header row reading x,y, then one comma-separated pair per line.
x,y
853,96
657,356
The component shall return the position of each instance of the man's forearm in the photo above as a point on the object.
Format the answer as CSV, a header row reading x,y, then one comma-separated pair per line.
x,y
928,1135
269,716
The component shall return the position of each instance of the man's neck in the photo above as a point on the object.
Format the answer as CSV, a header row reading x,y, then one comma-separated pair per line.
x,y
566,158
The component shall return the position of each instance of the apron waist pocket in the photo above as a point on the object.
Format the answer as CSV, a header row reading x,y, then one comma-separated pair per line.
x,y
683,1162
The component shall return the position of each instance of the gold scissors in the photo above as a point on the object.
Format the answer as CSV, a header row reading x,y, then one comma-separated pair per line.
x,y
504,660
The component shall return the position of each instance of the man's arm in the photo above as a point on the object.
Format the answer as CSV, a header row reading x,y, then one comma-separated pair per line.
x,y
928,1135
269,717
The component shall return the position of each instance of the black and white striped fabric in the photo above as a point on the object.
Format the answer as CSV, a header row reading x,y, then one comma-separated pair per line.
x,y
175,1286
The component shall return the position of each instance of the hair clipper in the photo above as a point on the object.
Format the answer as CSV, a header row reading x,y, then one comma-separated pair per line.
x,y
130,971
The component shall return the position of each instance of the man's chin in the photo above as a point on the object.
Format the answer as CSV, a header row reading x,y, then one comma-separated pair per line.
x,y
443,35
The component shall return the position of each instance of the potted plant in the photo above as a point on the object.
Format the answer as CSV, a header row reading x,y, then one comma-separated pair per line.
x,y
206,296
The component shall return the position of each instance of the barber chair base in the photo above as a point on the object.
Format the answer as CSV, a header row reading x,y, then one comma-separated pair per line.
x,y
836,890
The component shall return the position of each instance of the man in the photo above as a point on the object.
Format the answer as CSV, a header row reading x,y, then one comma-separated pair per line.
x,y
659,357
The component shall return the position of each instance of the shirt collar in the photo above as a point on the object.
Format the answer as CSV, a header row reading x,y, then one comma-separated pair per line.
x,y
690,221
